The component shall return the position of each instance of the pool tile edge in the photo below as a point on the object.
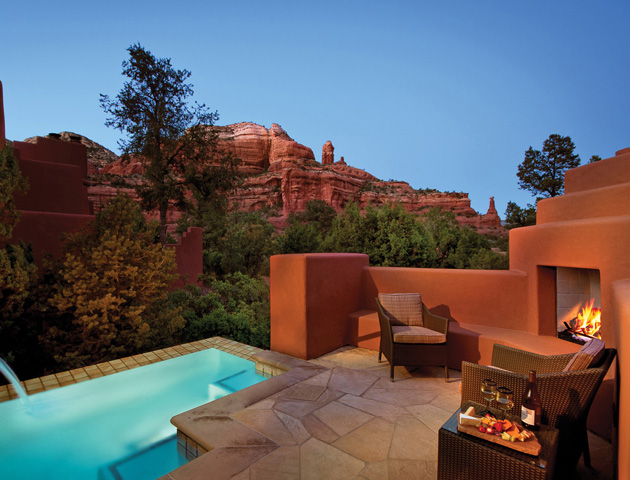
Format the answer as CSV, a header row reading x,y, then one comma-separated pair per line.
x,y
82,374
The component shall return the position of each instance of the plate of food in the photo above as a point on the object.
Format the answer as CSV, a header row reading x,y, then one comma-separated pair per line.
x,y
502,432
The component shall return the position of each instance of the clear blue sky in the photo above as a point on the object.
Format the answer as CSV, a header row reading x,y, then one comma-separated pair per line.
x,y
446,95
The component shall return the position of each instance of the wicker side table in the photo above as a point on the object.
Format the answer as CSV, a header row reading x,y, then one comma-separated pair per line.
x,y
462,456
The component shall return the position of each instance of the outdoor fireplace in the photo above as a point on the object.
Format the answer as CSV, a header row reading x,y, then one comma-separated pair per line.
x,y
578,304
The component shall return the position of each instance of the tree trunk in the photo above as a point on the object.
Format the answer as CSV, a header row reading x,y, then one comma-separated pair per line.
x,y
163,210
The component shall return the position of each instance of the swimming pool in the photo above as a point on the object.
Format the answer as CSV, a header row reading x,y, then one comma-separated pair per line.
x,y
101,427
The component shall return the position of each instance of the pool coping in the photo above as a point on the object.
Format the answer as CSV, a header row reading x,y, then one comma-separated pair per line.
x,y
78,375
213,441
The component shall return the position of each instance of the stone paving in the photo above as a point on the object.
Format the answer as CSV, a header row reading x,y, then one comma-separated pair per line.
x,y
345,420
335,417
49,382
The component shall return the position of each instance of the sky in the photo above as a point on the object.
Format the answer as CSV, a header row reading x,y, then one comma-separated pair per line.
x,y
446,95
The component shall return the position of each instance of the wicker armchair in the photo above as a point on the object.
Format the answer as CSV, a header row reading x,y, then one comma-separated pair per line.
x,y
427,344
566,397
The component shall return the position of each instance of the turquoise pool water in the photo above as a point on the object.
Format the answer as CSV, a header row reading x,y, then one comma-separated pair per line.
x,y
117,426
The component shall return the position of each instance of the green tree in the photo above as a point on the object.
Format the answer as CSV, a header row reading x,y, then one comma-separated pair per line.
x,y
542,172
172,138
18,272
516,216
594,158
235,307
460,247
389,234
318,213
306,229
111,294
444,231
11,182
299,238
243,244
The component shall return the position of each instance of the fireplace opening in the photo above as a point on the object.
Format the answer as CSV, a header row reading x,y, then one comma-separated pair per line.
x,y
578,304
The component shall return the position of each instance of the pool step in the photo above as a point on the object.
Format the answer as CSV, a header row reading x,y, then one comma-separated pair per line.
x,y
148,464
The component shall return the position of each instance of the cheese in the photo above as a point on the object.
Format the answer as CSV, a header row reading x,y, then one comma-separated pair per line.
x,y
468,420
470,411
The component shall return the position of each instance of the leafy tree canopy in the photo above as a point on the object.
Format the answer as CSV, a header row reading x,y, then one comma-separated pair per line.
x,y
111,290
516,216
542,172
167,133
11,182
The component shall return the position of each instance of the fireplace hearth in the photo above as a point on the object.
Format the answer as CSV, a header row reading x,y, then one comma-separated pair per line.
x,y
578,304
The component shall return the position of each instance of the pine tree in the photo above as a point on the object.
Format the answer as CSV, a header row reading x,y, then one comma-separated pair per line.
x,y
172,138
542,172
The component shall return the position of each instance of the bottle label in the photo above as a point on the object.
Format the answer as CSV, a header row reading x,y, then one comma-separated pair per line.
x,y
528,416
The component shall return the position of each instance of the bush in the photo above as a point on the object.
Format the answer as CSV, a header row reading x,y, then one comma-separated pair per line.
x,y
111,292
236,307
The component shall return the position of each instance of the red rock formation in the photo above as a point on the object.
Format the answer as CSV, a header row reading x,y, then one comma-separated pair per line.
x,y
328,153
283,175
260,148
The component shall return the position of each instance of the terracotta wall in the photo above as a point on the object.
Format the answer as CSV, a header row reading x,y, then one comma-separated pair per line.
x,y
471,296
311,298
189,256
620,306
56,201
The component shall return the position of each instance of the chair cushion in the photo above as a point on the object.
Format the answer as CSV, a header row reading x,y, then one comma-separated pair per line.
x,y
414,334
402,308
590,354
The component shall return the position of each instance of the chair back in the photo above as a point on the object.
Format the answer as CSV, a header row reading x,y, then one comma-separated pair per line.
x,y
402,308
567,397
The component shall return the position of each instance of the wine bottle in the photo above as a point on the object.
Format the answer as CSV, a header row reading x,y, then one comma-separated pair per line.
x,y
530,406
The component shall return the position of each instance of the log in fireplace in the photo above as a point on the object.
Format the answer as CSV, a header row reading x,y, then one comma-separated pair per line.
x,y
578,303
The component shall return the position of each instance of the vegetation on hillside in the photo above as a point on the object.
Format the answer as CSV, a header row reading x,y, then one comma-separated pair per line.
x,y
111,295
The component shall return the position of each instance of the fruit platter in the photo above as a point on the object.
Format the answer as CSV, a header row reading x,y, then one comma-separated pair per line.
x,y
503,432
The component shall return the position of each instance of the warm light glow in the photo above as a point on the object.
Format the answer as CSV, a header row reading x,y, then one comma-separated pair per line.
x,y
588,321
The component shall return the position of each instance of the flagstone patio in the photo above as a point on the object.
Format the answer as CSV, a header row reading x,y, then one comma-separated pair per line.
x,y
336,417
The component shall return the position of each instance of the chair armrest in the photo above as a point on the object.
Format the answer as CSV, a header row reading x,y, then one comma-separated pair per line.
x,y
521,361
434,322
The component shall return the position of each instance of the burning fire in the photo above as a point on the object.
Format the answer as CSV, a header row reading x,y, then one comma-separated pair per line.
x,y
588,322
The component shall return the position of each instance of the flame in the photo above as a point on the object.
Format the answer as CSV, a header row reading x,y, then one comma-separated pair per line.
x,y
588,321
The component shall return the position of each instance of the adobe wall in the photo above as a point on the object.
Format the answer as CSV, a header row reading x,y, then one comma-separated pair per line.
x,y
189,256
461,295
620,308
56,201
311,298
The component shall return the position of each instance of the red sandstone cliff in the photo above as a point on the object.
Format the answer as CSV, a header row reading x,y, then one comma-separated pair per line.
x,y
284,175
